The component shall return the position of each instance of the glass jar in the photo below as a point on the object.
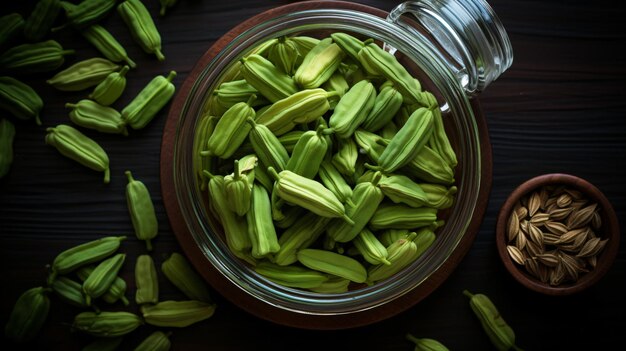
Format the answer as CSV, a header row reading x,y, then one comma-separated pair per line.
x,y
454,47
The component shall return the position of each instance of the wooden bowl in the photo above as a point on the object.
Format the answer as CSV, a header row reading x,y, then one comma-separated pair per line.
x,y
608,229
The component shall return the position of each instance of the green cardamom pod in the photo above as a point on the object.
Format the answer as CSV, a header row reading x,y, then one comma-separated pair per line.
x,y
387,104
83,74
439,141
366,197
333,263
177,314
302,107
389,236
106,324
319,64
146,280
180,273
408,142
83,254
304,44
429,166
400,254
261,176
424,238
352,109
235,229
345,158
334,285
266,78
19,99
92,115
232,92
303,232
116,291
308,193
238,189
99,281
111,88
41,19
425,344
277,205
69,291
289,140
401,189
292,276
402,217
206,125
106,43
75,145
38,57
150,100
284,55
10,26
374,59
439,196
260,226
267,146
308,153
499,332
372,250
141,26
28,315
7,134
231,130
336,83
349,44
141,210
370,143
332,179
87,12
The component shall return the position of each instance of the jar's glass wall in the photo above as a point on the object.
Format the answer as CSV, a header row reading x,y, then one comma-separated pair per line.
x,y
421,58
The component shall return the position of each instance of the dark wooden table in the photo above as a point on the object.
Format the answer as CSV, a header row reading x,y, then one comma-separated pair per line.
x,y
559,108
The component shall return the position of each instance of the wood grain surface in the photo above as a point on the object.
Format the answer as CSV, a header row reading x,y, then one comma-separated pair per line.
x,y
559,108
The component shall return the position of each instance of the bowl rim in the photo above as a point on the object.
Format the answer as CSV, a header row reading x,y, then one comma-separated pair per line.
x,y
609,222
257,307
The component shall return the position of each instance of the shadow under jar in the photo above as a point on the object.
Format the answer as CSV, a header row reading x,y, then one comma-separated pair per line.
x,y
455,49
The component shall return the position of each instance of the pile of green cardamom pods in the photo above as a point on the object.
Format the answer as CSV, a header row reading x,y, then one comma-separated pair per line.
x,y
86,276
105,75
325,161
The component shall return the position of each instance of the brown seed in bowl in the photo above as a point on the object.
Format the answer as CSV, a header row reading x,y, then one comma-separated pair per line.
x,y
517,255
534,202
555,227
582,217
564,200
567,246
559,214
548,259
